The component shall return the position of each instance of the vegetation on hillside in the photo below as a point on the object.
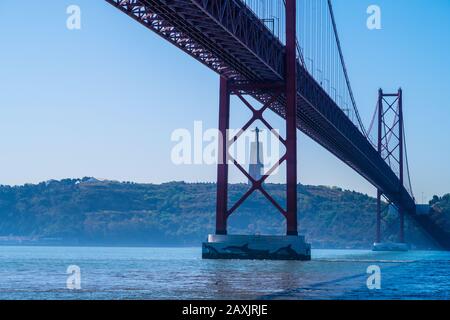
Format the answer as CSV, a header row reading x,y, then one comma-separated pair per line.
x,y
441,211
89,211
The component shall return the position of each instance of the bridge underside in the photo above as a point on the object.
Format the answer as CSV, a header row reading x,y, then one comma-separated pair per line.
x,y
229,39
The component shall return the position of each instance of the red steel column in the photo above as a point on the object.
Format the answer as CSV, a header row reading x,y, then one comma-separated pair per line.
x,y
378,232
400,119
222,166
291,117
380,122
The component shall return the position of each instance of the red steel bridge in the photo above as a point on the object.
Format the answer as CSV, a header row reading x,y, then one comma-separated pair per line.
x,y
286,54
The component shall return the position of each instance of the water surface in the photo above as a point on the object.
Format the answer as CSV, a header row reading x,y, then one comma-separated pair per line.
x,y
180,273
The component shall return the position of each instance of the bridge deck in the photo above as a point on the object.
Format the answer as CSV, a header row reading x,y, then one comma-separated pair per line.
x,y
228,38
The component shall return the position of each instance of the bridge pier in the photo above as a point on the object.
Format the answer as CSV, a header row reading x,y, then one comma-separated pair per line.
x,y
386,149
291,117
379,245
224,246
289,247
222,166
378,232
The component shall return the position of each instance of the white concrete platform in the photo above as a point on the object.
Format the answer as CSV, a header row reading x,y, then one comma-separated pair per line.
x,y
390,246
256,247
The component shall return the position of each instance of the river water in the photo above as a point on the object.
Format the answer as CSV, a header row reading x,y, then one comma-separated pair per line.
x,y
180,273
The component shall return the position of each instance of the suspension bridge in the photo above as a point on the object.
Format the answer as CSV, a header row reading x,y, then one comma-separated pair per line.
x,y
287,56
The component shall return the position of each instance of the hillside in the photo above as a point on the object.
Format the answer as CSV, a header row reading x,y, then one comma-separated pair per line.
x,y
441,211
88,211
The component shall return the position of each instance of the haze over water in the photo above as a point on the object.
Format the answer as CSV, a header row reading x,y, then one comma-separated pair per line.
x,y
180,273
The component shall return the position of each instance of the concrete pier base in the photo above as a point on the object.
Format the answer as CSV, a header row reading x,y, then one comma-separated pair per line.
x,y
390,246
256,247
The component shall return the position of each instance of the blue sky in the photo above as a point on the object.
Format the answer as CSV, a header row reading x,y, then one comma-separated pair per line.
x,y
103,101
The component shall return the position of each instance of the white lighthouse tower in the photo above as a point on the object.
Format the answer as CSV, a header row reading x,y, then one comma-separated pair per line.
x,y
256,167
